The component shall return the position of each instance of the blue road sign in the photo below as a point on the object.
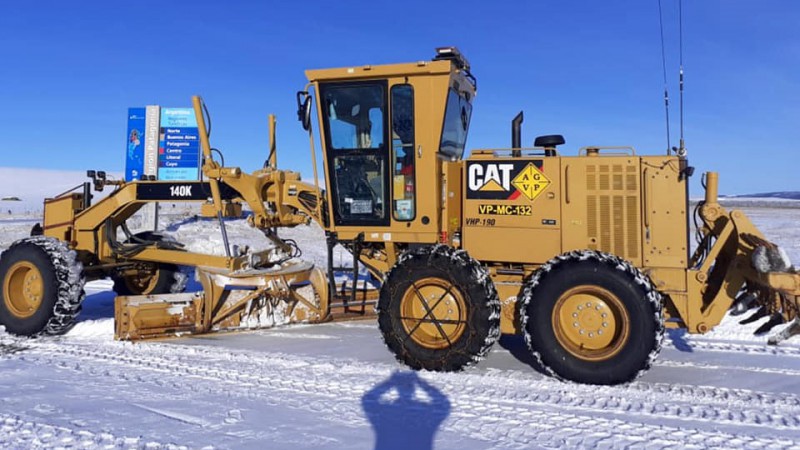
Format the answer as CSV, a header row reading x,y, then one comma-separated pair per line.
x,y
179,145
134,156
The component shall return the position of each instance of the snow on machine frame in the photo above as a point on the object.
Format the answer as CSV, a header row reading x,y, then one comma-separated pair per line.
x,y
586,256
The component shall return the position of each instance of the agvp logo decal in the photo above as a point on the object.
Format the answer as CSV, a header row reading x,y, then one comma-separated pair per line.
x,y
530,181
505,180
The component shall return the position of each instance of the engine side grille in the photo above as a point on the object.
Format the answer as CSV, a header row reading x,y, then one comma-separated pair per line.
x,y
612,209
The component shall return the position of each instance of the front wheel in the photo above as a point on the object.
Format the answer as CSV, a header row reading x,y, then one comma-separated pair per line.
x,y
145,278
438,310
42,287
149,278
592,317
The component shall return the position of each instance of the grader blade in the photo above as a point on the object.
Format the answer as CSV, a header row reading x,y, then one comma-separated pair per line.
x,y
152,316
295,292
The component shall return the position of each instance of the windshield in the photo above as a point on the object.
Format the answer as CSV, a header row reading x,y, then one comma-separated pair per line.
x,y
456,125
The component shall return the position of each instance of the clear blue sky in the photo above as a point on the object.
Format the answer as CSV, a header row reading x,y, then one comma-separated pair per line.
x,y
588,70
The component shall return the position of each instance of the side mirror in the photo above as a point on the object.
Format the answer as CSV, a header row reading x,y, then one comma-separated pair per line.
x,y
304,109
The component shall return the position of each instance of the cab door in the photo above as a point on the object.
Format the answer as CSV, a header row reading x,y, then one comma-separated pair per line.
x,y
357,141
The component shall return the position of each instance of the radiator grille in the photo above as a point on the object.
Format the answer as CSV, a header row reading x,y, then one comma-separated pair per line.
x,y
612,209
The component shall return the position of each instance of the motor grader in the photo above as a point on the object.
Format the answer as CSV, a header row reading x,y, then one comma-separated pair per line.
x,y
587,256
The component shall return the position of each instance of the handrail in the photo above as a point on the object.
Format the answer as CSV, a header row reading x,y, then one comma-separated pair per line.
x,y
646,197
485,151
630,151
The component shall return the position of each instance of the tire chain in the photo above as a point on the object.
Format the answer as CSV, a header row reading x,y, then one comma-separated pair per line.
x,y
653,296
69,280
481,276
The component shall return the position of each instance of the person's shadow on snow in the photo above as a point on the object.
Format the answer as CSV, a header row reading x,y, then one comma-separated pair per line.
x,y
403,416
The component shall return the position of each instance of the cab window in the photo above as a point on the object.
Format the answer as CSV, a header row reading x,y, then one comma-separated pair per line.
x,y
456,125
403,183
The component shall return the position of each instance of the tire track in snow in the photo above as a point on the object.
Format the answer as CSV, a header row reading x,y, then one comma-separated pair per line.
x,y
708,366
481,405
730,347
507,378
16,432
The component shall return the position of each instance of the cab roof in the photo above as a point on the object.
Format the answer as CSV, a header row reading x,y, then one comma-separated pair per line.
x,y
381,71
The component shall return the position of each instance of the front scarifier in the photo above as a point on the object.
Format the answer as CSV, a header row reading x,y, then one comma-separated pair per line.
x,y
438,310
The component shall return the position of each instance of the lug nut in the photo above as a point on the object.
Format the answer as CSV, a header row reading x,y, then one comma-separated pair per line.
x,y
575,324
588,304
605,324
575,315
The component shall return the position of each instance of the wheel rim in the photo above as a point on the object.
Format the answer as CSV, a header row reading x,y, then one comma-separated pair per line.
x,y
591,323
23,289
433,313
142,280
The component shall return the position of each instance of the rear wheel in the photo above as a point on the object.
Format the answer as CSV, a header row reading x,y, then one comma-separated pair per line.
x,y
42,287
438,310
593,318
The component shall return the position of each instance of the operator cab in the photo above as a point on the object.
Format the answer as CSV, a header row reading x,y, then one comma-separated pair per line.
x,y
385,130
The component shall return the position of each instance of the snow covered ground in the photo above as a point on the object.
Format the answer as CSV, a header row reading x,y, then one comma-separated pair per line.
x,y
336,386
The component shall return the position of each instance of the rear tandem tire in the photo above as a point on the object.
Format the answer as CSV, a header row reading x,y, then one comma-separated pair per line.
x,y
42,287
438,310
592,317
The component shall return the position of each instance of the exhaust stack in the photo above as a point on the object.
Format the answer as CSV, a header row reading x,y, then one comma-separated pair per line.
x,y
516,135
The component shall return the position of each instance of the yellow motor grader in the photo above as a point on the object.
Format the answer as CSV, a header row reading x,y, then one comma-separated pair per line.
x,y
587,256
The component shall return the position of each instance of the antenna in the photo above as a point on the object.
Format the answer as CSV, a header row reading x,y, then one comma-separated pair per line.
x,y
681,148
664,70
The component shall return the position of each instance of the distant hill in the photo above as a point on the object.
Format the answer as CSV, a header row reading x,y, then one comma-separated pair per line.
x,y
785,195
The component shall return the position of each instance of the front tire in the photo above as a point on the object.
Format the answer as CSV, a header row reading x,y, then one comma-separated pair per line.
x,y
42,287
439,310
592,317
149,278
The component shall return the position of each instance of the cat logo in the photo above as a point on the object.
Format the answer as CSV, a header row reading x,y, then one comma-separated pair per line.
x,y
490,177
506,180
530,181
